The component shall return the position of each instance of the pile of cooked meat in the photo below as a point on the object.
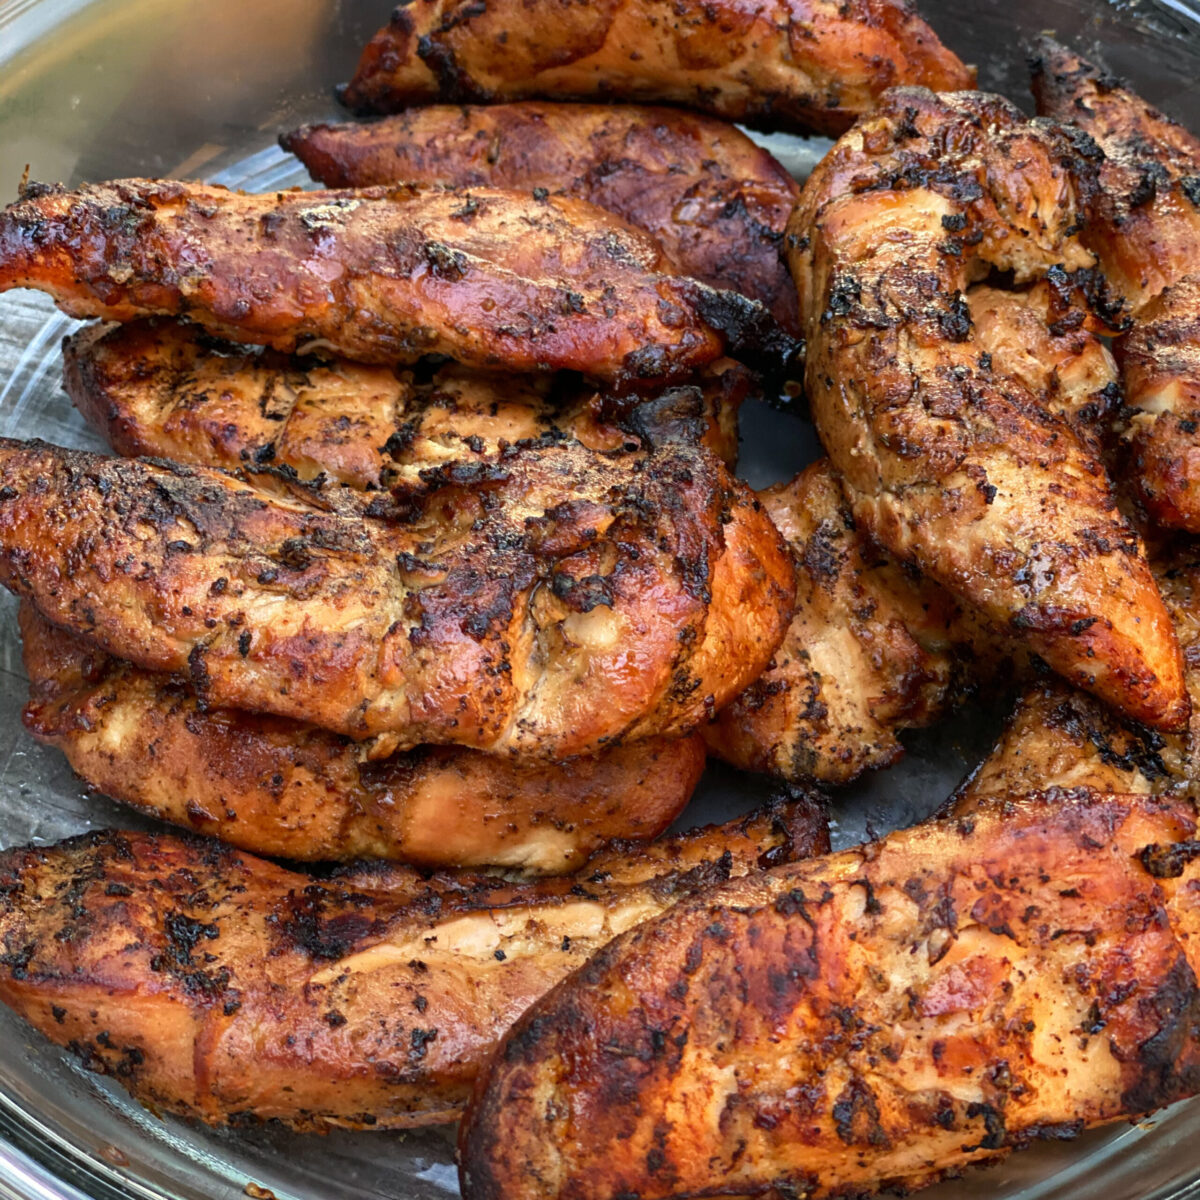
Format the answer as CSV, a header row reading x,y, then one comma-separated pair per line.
x,y
422,554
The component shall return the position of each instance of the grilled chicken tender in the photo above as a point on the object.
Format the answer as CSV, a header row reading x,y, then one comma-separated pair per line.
x,y
715,201
544,605
814,65
383,275
1144,224
274,786
950,463
224,988
874,1019
161,388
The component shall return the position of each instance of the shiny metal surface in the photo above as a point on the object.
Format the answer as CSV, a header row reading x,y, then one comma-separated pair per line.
x,y
94,89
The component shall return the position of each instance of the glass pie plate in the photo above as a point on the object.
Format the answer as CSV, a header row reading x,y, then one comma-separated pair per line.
x,y
184,88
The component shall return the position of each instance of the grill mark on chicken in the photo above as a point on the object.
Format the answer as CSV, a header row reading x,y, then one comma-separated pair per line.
x,y
715,201
225,989
1144,225
491,278
964,472
875,1019
547,604
279,787
160,388
814,65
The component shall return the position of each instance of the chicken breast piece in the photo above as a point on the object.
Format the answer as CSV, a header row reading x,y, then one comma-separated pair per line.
x,y
951,464
715,201
547,604
869,1020
166,389
491,278
1144,224
275,786
802,66
223,988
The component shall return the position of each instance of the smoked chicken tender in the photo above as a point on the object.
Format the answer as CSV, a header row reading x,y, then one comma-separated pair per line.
x,y
949,463
869,1020
810,65
544,605
275,786
490,278
1144,224
166,389
223,988
716,202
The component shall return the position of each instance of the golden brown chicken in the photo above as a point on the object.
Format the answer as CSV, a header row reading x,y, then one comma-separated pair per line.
x,y
384,275
811,65
547,604
274,786
1144,224
715,201
224,988
951,464
874,1019
161,388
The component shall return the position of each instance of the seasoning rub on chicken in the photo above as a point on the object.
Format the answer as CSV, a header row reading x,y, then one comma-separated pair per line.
x,y
384,275
950,463
779,64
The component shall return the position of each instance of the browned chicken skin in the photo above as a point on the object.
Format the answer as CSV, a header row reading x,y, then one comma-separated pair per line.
x,y
1144,224
165,389
950,464
224,988
384,275
870,1020
274,786
543,605
715,201
801,65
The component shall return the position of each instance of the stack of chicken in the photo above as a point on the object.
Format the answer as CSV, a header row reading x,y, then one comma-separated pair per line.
x,y
424,547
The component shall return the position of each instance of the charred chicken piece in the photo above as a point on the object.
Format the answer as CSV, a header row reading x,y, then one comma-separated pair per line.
x,y
808,66
223,988
1060,738
715,201
544,605
949,463
1144,224
274,786
875,1019
384,275
165,389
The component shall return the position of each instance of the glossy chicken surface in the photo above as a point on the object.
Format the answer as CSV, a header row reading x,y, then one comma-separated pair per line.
x,y
165,389
715,201
800,65
223,988
869,1020
1144,224
952,464
279,787
547,604
384,275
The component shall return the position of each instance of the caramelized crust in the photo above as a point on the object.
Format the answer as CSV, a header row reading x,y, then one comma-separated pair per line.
x,y
870,1020
872,650
1144,223
274,786
801,65
160,388
951,464
383,275
715,201
488,612
226,989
